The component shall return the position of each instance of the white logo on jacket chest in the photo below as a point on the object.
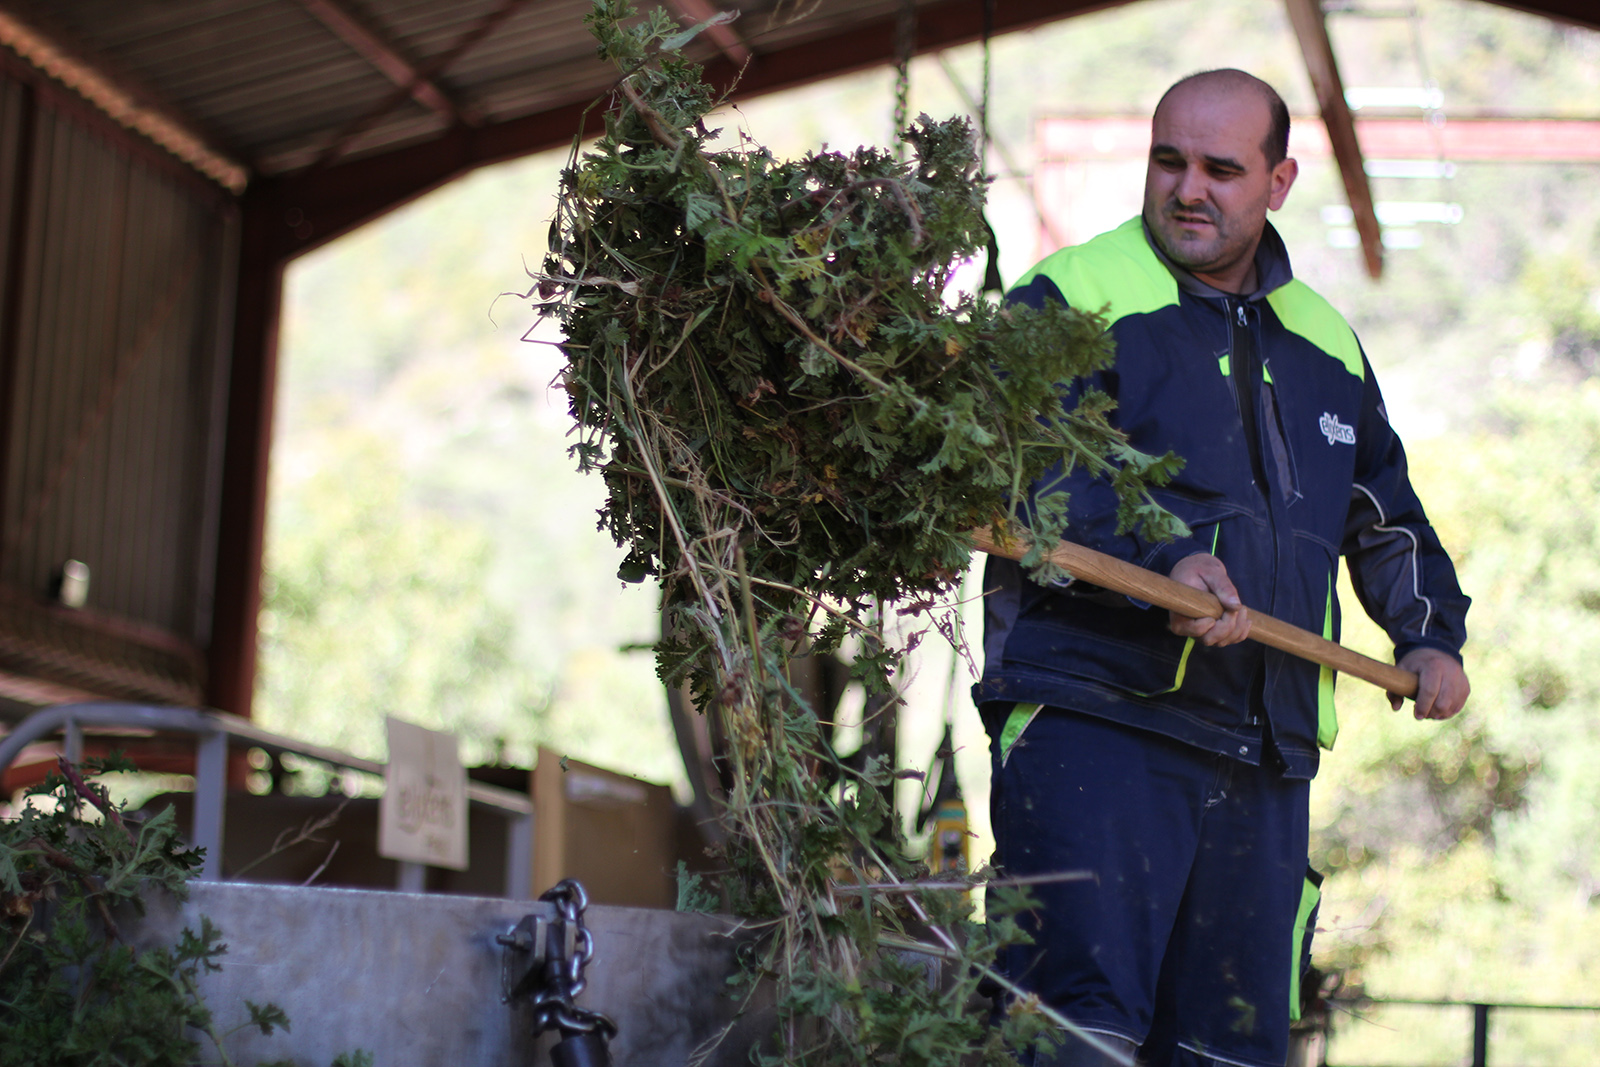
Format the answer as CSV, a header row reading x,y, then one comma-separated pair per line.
x,y
1335,431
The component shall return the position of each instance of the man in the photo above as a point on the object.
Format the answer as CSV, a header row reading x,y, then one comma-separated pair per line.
x,y
1167,755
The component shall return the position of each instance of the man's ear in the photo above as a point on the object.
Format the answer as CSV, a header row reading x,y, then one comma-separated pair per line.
x,y
1283,176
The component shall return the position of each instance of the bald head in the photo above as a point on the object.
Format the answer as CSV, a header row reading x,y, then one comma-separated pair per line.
x,y
1218,163
1229,82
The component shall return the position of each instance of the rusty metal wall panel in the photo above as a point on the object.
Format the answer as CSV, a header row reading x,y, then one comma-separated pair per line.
x,y
13,101
112,348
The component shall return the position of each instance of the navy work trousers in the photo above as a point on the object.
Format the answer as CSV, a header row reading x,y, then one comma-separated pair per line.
x,y
1183,941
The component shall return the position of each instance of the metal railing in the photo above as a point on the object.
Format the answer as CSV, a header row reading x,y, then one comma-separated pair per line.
x,y
215,732
1481,1015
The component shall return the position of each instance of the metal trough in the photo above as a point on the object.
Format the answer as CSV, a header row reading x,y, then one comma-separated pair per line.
x,y
416,980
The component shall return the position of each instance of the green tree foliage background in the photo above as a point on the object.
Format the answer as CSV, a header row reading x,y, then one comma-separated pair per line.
x,y
1464,862
385,608
432,554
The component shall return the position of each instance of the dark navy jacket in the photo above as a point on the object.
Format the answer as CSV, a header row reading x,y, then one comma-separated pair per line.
x,y
1321,475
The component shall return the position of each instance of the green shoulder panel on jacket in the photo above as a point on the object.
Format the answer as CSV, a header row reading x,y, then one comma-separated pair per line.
x,y
1115,271
1305,313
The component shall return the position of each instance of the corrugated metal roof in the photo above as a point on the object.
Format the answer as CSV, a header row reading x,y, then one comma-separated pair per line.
x,y
274,83
270,83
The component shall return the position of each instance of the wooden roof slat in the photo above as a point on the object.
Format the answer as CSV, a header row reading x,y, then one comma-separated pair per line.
x,y
1312,30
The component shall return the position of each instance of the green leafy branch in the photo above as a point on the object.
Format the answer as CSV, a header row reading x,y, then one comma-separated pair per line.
x,y
73,991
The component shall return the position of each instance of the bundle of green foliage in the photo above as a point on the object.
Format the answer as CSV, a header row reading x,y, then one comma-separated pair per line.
x,y
797,431
73,991
774,332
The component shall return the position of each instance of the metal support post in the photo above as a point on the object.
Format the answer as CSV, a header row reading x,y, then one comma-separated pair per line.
x,y
413,877
1480,1035
210,799
519,857
72,742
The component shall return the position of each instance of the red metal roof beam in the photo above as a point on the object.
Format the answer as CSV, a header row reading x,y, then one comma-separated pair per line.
x,y
370,46
727,40
1312,29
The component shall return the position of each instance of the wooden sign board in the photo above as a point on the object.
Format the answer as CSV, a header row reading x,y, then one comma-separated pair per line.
x,y
423,815
615,834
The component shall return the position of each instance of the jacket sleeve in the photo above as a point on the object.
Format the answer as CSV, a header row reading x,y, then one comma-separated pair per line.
x,y
1401,573
1091,501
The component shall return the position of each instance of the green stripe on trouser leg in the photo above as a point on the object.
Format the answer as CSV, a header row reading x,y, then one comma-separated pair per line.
x,y
1016,722
1305,926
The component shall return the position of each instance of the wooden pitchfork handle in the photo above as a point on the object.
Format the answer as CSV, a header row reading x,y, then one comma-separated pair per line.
x,y
1118,576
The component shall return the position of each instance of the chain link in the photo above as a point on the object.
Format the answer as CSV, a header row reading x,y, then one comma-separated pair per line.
x,y
571,901
553,1006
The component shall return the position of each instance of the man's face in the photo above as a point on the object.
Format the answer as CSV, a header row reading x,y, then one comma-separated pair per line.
x,y
1208,186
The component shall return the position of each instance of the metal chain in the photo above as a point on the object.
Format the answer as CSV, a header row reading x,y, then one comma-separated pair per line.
x,y
553,1007
983,101
571,901
905,43
992,282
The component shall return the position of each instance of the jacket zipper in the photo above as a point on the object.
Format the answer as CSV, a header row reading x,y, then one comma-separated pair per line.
x,y
1245,389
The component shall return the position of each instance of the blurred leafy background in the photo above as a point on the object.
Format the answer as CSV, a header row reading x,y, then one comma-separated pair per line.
x,y
432,553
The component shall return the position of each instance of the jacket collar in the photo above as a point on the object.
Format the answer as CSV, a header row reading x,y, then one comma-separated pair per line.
x,y
1272,267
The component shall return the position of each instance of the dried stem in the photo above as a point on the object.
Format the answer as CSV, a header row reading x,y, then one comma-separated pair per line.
x,y
82,789
21,932
291,837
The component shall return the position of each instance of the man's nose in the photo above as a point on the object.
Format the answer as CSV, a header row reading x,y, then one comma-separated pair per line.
x,y
1191,186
